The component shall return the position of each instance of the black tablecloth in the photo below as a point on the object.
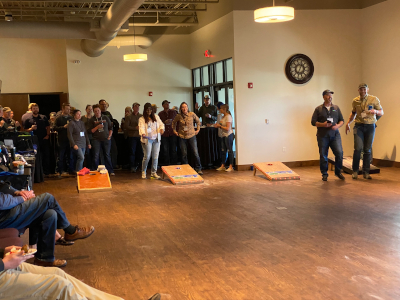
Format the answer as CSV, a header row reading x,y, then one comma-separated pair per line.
x,y
209,148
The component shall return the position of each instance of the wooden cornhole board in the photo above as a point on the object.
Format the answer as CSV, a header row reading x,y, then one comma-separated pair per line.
x,y
348,165
275,171
183,174
94,182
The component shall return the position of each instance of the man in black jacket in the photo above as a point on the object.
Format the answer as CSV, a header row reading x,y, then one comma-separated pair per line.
x,y
64,149
43,216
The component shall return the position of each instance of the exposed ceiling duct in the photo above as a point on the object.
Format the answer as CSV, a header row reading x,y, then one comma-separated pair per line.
x,y
119,12
130,40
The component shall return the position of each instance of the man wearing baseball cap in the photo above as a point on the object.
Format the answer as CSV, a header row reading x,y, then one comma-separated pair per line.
x,y
328,119
169,141
207,112
365,110
132,128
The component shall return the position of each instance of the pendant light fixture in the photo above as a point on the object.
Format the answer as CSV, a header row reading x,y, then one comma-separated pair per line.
x,y
135,56
274,14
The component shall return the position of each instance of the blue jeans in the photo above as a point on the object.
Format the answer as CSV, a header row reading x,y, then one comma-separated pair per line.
x,y
79,156
151,149
193,144
105,147
43,215
363,138
134,146
64,151
227,146
335,143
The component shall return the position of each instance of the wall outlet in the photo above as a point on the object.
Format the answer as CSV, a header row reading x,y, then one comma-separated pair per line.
x,y
266,121
284,149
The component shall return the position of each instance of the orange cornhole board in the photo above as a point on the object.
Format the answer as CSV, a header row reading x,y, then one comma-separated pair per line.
x,y
94,182
183,174
275,171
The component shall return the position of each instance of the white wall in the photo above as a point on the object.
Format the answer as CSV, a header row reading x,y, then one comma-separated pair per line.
x,y
217,37
380,57
33,66
332,39
166,73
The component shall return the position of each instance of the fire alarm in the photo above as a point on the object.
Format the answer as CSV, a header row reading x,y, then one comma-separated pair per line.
x,y
207,53
250,85
151,94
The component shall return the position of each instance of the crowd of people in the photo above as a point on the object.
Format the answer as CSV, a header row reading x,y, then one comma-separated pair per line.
x,y
88,138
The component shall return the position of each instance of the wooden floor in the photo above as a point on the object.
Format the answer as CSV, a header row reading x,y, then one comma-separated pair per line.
x,y
238,236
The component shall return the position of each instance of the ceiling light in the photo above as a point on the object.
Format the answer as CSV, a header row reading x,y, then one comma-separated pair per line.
x,y
135,57
274,14
8,16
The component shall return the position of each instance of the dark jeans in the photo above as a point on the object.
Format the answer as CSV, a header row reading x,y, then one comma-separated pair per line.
x,y
44,146
169,147
104,146
135,147
79,157
193,144
114,152
227,146
89,158
335,143
63,152
43,215
363,138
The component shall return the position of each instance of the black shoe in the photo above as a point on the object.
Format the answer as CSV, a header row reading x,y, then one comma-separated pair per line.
x,y
324,177
340,176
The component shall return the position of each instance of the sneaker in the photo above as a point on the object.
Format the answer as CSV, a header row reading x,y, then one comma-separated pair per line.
x,y
229,170
221,169
112,174
155,176
80,233
355,175
133,170
324,177
367,176
143,175
340,176
200,172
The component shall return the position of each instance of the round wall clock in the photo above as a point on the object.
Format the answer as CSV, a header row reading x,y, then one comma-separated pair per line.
x,y
299,69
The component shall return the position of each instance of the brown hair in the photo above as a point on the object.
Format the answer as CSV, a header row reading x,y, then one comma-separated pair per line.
x,y
75,111
180,107
96,106
145,116
65,104
31,105
226,107
88,106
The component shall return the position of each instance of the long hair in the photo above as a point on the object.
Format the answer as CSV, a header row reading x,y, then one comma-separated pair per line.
x,y
145,116
180,107
226,107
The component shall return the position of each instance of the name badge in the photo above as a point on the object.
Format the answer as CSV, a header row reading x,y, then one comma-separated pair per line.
x,y
330,119
185,128
82,133
363,115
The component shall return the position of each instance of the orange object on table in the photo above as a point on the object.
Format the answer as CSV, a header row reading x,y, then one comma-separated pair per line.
x,y
94,182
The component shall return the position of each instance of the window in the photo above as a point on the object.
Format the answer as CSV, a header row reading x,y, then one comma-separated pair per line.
x,y
215,80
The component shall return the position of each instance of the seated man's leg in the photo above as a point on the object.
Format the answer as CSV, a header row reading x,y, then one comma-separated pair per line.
x,y
78,287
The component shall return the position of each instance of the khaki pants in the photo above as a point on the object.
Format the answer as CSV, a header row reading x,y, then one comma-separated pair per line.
x,y
33,282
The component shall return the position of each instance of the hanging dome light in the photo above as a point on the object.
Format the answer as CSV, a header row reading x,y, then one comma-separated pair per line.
x,y
135,57
274,14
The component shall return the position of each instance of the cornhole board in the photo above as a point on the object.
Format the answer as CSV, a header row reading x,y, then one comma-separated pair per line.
x,y
348,165
182,174
94,182
275,171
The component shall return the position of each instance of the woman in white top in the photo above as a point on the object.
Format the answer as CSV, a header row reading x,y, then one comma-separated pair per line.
x,y
226,133
150,130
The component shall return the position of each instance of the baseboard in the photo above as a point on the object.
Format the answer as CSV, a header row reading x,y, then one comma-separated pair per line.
x,y
385,163
290,164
